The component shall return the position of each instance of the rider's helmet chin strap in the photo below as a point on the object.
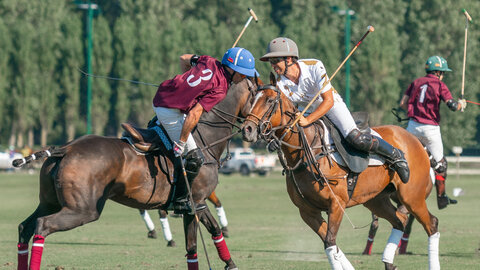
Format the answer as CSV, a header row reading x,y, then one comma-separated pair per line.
x,y
287,65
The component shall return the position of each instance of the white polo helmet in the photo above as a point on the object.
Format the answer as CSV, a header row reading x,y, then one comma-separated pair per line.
x,y
280,47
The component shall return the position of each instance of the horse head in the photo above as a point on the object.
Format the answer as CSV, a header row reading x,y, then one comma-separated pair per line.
x,y
271,111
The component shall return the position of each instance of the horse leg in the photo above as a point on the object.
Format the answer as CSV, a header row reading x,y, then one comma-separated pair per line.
x,y
222,217
167,234
336,257
148,223
430,224
211,224
190,226
402,247
383,207
25,233
371,235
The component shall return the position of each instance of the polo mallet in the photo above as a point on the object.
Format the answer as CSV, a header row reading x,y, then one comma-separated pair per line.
x,y
187,184
252,16
467,19
369,29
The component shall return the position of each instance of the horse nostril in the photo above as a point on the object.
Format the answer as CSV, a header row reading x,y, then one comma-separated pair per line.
x,y
249,129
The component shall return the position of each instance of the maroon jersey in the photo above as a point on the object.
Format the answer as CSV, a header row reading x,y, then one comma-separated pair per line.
x,y
206,83
425,95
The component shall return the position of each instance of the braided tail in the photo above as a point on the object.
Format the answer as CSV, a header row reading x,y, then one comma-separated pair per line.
x,y
37,155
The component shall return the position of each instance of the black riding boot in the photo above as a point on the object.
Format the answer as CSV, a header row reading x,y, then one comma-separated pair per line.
x,y
369,143
442,199
193,161
395,158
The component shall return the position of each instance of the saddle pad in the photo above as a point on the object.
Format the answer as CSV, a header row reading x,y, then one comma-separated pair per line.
x,y
373,159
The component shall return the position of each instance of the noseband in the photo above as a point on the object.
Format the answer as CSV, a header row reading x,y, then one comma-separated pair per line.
x,y
264,123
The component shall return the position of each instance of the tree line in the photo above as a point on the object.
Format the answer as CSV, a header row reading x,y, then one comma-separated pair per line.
x,y
43,46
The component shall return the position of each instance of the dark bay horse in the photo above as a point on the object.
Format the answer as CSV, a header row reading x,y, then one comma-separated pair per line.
x,y
318,184
77,179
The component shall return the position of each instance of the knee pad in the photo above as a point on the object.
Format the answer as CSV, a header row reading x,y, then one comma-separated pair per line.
x,y
194,159
441,166
361,141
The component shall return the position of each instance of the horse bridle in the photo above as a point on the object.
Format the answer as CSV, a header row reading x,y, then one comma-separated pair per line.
x,y
224,116
264,126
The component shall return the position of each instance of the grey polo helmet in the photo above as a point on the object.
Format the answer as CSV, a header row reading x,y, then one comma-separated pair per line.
x,y
280,47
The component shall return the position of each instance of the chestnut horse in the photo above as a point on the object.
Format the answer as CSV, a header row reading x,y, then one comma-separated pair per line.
x,y
78,178
317,186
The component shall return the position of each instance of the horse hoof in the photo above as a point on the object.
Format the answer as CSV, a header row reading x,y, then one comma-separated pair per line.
x,y
225,231
171,243
152,234
231,267
390,266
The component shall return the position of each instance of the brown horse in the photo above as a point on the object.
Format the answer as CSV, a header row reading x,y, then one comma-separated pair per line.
x,y
402,246
317,184
78,178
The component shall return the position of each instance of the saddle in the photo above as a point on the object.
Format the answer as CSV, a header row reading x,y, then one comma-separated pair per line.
x,y
152,139
355,160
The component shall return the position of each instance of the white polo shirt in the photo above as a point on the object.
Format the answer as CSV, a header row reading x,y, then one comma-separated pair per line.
x,y
313,77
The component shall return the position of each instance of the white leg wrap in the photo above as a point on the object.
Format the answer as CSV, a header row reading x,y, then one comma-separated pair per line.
x,y
221,216
433,250
167,234
392,244
148,221
333,258
346,265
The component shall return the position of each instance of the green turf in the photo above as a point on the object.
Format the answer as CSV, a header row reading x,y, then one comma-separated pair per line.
x,y
266,232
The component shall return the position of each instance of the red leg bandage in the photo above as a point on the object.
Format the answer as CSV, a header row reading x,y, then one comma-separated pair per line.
x,y
37,250
402,246
222,248
368,247
439,177
192,261
22,256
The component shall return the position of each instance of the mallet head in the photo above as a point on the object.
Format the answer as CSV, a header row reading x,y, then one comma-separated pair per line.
x,y
253,14
467,15
370,28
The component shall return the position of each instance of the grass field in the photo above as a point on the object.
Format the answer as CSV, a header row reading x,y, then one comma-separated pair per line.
x,y
266,232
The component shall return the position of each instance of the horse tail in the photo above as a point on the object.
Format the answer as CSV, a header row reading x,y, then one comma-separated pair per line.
x,y
50,152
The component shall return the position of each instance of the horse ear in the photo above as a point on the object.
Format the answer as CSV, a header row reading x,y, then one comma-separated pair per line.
x,y
273,80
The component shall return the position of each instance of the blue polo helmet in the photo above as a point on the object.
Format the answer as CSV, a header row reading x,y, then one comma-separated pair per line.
x,y
240,60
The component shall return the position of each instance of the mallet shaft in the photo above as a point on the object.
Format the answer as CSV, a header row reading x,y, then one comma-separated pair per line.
x,y
252,16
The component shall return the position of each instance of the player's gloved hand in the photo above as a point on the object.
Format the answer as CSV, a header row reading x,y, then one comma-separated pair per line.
x,y
463,104
178,148
273,146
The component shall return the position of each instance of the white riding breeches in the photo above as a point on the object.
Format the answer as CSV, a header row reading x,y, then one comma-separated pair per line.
x,y
430,136
342,118
172,120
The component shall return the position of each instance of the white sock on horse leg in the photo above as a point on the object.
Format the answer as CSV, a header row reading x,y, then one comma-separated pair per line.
x,y
221,216
333,258
392,244
167,234
346,265
148,221
433,250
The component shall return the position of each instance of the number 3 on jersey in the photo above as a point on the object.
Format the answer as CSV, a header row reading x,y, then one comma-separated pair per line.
x,y
208,75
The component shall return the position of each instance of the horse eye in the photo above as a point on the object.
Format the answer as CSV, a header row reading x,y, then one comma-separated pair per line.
x,y
270,100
